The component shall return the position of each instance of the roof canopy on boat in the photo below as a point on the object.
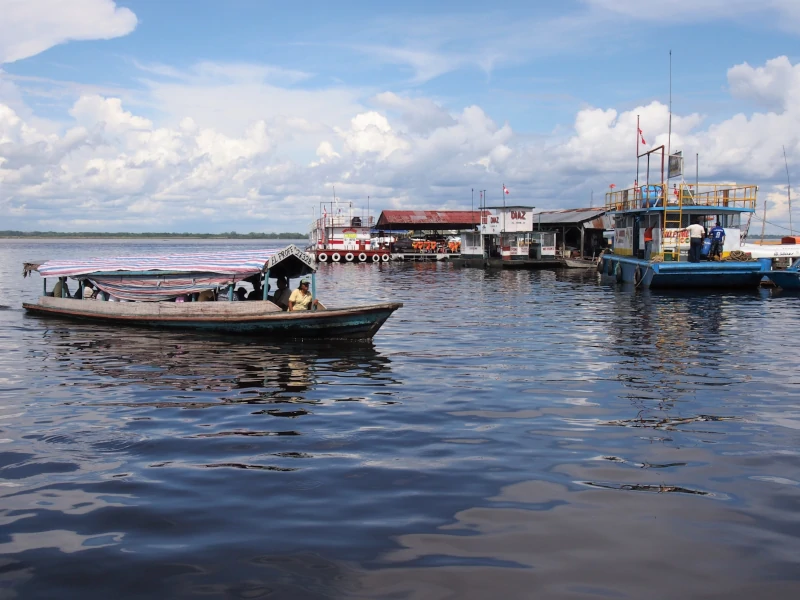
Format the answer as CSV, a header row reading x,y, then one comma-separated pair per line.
x,y
160,277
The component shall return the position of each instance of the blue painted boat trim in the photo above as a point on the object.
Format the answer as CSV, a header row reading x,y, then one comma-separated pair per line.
x,y
707,274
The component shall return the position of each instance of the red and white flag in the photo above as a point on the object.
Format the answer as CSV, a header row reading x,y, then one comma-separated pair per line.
x,y
505,189
641,136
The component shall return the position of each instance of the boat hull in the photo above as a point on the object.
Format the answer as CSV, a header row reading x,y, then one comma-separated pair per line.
x,y
788,280
683,275
260,318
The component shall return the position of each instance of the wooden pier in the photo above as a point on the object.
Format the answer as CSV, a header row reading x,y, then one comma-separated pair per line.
x,y
498,263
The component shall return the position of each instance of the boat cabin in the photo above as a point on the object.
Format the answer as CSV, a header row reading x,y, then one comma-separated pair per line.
x,y
507,232
665,213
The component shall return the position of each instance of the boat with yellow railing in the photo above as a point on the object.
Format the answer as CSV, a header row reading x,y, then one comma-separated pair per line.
x,y
651,241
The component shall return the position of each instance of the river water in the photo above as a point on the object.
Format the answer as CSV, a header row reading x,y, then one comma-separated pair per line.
x,y
505,435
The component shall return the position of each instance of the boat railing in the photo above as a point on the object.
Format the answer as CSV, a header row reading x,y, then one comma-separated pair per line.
x,y
682,195
342,221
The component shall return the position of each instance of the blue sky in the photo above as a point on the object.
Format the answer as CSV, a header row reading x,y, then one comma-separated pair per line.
x,y
211,116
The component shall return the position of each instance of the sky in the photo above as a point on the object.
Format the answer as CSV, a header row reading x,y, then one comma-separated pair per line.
x,y
244,115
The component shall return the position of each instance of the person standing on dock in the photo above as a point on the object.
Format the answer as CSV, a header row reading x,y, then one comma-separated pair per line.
x,y
696,234
717,241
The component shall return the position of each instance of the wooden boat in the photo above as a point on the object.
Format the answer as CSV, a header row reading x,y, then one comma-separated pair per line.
x,y
147,287
580,263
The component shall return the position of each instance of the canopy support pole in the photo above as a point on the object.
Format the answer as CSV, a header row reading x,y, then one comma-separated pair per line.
x,y
82,290
44,286
265,284
313,289
63,287
230,293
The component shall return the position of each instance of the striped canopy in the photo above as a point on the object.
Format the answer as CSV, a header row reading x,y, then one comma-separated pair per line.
x,y
242,264
160,278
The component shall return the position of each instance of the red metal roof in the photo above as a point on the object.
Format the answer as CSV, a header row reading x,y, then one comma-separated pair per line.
x,y
428,219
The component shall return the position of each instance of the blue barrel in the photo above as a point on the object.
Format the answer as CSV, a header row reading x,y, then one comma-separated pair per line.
x,y
650,195
706,247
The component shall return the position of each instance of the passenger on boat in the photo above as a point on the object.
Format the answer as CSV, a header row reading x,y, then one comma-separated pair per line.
x,y
206,296
301,298
84,292
282,294
60,289
241,294
258,291
717,241
696,234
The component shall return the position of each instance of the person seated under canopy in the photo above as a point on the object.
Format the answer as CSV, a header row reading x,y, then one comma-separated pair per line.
x,y
301,298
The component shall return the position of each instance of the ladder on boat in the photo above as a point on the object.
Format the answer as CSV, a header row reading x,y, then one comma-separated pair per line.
x,y
673,219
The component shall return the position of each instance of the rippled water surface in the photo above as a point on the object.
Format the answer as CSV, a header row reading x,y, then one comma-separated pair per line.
x,y
505,435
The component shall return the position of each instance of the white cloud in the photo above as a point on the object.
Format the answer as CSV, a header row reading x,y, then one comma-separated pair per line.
x,y
420,115
775,86
28,27
230,96
111,167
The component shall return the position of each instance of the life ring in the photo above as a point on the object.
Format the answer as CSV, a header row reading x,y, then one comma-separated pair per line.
x,y
349,257
638,275
385,258
618,272
376,258
362,257
322,257
335,257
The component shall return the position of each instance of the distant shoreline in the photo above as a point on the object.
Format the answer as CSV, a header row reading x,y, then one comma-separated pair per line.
x,y
150,236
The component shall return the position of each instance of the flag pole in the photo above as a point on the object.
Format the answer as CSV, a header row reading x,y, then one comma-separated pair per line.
x,y
504,208
638,129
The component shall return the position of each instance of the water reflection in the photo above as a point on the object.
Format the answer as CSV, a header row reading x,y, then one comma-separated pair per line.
x,y
237,370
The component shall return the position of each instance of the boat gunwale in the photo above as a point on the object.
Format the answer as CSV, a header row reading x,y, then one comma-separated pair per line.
x,y
267,316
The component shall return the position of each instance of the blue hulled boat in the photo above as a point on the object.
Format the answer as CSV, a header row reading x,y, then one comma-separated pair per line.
x,y
651,243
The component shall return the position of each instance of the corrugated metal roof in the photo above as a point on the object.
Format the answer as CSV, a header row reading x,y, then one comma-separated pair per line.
x,y
568,216
428,219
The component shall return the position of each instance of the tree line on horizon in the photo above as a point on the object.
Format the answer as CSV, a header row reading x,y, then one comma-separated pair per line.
x,y
95,234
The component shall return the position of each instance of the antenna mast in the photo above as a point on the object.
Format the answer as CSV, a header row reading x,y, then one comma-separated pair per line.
x,y
788,190
669,134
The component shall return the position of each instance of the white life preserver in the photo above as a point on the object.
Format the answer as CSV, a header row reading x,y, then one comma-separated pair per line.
x,y
349,257
376,258
362,257
335,257
385,258
322,257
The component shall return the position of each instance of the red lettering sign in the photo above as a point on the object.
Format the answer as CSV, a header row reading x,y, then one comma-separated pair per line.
x,y
518,214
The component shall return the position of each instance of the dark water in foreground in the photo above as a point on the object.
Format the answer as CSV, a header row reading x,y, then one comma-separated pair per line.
x,y
507,435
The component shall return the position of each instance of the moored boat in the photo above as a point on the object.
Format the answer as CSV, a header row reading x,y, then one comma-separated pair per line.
x,y
342,235
165,292
651,241
788,279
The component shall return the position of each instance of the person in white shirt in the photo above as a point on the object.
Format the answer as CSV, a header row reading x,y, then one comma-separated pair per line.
x,y
696,234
